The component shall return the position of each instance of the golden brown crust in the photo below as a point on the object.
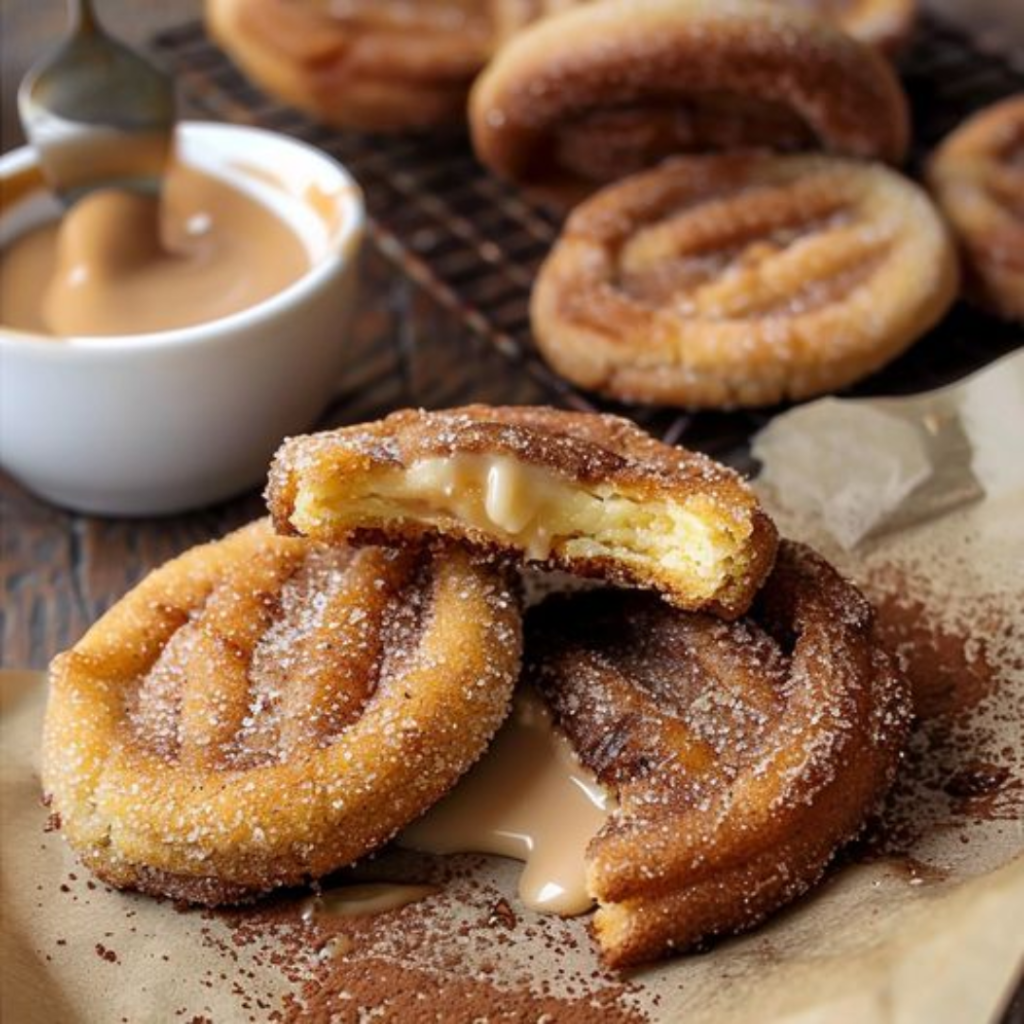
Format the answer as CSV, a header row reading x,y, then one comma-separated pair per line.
x,y
977,177
577,448
378,66
743,755
885,24
374,65
260,711
599,92
742,279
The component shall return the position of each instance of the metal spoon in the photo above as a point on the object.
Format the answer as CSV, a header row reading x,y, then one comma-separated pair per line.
x,y
98,114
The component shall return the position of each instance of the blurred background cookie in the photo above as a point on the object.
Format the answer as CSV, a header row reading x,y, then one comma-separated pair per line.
x,y
977,177
887,24
742,280
510,16
378,65
593,94
373,65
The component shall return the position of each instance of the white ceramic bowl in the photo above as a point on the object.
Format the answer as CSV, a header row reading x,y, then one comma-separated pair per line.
x,y
157,423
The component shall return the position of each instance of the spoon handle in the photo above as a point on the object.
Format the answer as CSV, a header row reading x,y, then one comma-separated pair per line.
x,y
83,16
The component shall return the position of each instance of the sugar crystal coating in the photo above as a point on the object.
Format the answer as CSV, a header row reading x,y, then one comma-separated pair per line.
x,y
260,710
743,754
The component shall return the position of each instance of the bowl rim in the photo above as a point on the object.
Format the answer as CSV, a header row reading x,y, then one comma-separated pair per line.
x,y
344,251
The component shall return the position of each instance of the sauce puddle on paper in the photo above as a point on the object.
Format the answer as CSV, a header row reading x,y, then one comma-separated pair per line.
x,y
529,799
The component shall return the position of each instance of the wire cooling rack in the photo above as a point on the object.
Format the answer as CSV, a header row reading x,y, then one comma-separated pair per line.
x,y
474,243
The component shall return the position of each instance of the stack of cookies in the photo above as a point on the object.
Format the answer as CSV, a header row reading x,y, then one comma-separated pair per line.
x,y
274,706
392,65
743,236
749,270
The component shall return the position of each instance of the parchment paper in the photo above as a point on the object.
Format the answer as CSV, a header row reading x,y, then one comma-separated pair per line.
x,y
928,933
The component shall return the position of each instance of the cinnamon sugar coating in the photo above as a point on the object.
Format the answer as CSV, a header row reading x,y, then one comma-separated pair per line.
x,y
594,495
742,279
743,754
596,93
886,24
260,711
373,65
977,177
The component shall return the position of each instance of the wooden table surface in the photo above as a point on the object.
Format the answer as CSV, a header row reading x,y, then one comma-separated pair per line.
x,y
60,571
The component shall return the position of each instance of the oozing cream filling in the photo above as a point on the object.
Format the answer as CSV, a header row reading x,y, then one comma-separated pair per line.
x,y
536,510
528,798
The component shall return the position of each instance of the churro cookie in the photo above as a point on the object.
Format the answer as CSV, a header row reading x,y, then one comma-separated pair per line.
x,y
592,94
261,711
594,495
742,754
977,176
377,65
742,279
886,24
373,65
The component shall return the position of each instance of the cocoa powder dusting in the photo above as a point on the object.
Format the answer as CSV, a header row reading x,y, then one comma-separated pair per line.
x,y
953,773
389,991
948,672
502,913
106,954
950,606
445,958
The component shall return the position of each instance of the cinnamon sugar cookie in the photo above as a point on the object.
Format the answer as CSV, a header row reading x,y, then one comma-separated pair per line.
x,y
375,65
742,280
594,495
977,177
378,65
261,711
742,754
595,93
886,24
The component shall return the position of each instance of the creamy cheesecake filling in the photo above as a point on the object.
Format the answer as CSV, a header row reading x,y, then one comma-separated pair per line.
x,y
538,511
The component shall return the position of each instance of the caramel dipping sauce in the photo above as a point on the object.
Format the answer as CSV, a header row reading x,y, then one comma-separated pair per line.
x,y
121,262
528,798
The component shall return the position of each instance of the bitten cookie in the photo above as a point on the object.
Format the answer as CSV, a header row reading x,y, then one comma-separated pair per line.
x,y
593,495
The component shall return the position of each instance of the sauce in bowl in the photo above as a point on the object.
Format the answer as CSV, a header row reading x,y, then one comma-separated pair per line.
x,y
121,262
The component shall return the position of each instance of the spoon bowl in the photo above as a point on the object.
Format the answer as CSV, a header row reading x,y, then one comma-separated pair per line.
x,y
98,114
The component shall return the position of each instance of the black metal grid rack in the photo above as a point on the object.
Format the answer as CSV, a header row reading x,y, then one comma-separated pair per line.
x,y
474,243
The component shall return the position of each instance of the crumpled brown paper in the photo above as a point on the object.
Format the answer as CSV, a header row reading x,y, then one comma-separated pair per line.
x,y
926,933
